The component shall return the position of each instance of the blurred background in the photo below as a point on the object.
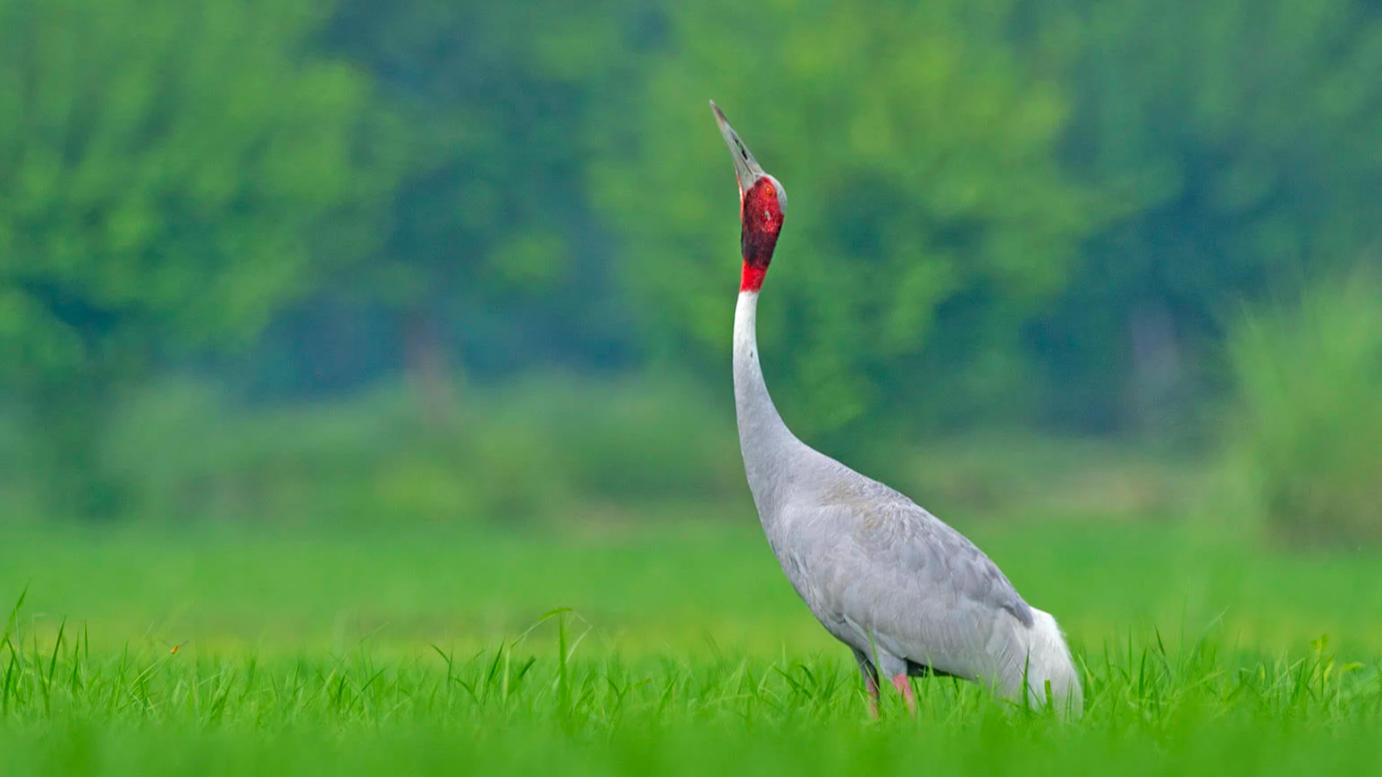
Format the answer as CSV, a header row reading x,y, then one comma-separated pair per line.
x,y
1085,278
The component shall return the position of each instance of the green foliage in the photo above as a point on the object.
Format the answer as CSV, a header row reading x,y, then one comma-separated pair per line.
x,y
1001,211
697,748
1237,138
1307,425
532,451
1148,686
478,105
632,441
1028,477
647,586
164,170
928,213
1241,165
165,165
553,692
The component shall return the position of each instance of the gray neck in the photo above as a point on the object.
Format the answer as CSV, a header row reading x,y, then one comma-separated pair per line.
x,y
768,445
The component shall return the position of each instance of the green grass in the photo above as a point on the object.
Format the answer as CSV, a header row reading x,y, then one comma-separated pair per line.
x,y
684,653
1305,425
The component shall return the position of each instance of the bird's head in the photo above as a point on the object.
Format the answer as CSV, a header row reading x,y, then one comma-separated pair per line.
x,y
762,206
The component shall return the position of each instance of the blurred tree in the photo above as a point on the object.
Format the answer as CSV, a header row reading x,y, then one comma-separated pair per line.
x,y
929,219
491,250
1238,138
164,168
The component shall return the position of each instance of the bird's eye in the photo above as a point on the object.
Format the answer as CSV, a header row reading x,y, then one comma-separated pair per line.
x,y
769,190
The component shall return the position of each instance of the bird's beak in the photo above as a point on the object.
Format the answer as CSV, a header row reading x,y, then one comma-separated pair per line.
x,y
746,168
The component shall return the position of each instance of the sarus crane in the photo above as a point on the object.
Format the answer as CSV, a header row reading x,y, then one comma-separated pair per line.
x,y
911,596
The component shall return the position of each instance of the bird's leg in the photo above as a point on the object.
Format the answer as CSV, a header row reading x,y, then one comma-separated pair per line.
x,y
871,684
870,673
904,687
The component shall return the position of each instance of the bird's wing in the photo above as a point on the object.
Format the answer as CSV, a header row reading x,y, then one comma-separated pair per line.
x,y
877,561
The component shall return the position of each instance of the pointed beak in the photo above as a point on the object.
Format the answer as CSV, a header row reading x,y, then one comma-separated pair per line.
x,y
746,168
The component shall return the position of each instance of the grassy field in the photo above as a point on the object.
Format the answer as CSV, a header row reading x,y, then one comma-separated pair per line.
x,y
683,652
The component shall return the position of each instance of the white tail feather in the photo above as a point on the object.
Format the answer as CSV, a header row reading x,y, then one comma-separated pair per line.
x,y
1047,661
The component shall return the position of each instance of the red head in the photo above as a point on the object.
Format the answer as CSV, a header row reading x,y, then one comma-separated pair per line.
x,y
762,205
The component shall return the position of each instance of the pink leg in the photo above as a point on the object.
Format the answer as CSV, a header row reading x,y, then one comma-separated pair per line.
x,y
872,686
904,687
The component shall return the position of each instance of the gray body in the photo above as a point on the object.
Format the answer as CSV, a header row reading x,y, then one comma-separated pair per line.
x,y
901,588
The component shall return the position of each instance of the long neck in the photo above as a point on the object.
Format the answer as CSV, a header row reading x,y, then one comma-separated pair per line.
x,y
766,442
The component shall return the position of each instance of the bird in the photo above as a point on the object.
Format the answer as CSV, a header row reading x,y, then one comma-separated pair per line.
x,y
908,594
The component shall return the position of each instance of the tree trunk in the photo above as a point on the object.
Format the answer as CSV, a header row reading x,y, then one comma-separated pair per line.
x,y
428,365
1158,371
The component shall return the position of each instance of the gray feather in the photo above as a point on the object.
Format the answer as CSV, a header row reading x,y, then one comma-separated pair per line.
x,y
903,589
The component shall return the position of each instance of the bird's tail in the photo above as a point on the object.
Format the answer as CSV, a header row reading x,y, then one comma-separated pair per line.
x,y
1048,661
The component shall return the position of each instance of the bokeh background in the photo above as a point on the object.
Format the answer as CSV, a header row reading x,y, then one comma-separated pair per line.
x,y
323,318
